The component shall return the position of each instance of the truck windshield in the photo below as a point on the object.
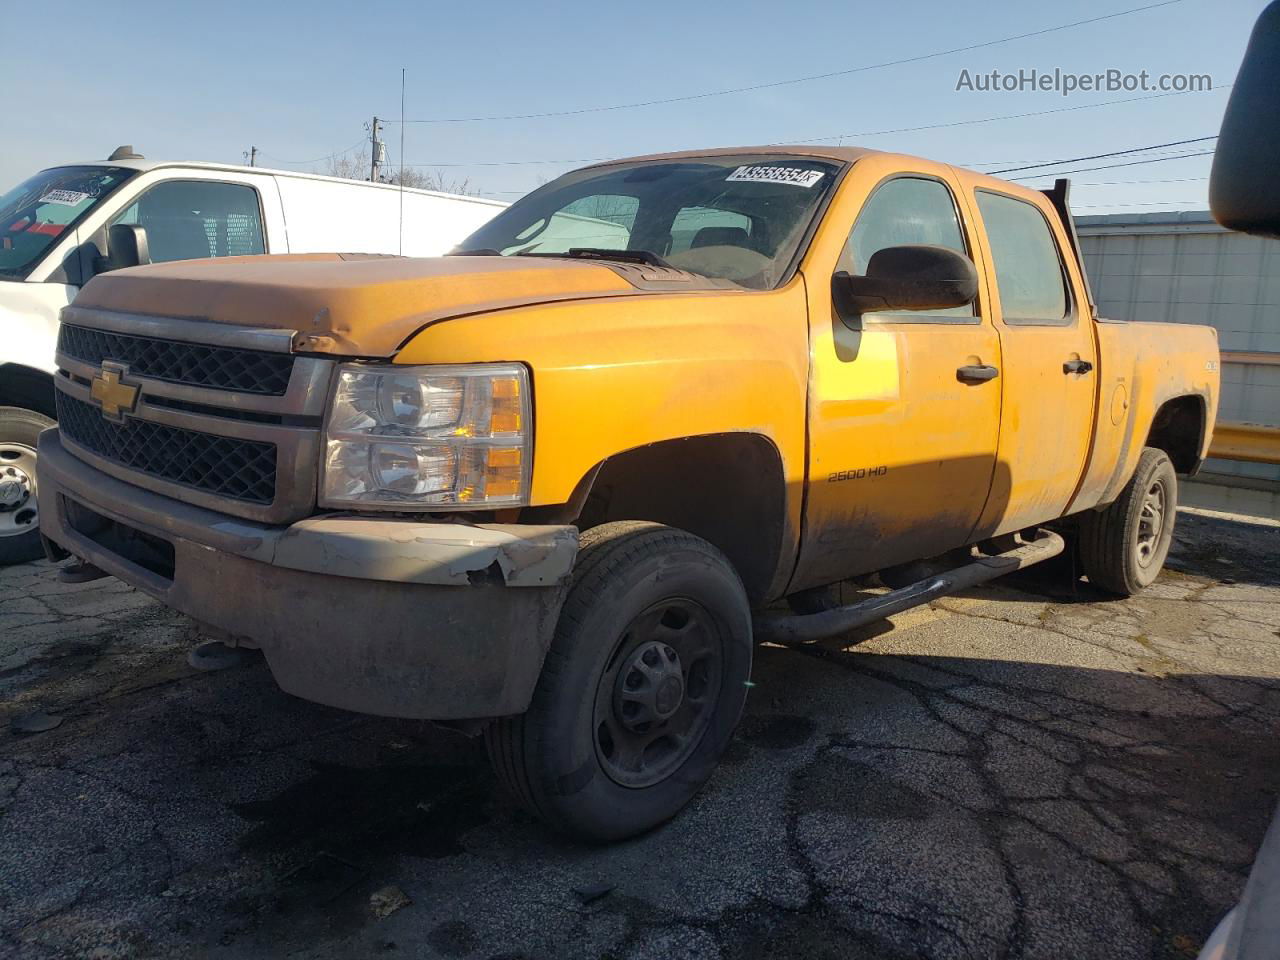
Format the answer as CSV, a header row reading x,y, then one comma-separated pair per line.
x,y
736,218
34,214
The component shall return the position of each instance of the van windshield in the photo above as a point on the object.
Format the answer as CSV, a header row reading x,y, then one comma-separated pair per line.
x,y
34,214
735,218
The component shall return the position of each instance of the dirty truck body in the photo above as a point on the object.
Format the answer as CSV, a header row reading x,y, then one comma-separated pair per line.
x,y
543,484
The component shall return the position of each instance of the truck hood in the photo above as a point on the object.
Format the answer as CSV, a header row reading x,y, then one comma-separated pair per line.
x,y
367,306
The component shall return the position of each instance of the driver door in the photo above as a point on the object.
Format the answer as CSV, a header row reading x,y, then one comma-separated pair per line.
x,y
902,449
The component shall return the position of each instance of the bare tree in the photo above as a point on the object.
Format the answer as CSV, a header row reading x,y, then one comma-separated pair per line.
x,y
347,166
355,167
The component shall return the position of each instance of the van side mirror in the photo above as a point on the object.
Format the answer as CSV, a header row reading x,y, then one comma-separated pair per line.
x,y
1244,191
914,276
126,247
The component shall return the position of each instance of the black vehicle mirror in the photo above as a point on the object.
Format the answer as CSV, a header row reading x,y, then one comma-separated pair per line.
x,y
1244,191
126,247
909,277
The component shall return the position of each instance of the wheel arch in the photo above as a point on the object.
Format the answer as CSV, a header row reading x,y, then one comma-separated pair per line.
x,y
1179,428
728,488
28,388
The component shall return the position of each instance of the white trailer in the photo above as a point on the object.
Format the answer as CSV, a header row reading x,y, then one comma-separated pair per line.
x,y
55,235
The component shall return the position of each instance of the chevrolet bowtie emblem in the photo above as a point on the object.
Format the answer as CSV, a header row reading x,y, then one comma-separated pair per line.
x,y
114,395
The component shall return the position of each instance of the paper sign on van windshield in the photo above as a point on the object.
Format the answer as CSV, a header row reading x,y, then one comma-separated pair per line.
x,y
793,176
66,198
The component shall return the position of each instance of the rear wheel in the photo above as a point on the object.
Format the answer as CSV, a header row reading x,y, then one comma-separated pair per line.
x,y
641,689
19,510
1123,547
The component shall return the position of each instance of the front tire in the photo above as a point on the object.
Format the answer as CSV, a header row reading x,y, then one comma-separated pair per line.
x,y
19,512
641,689
1123,547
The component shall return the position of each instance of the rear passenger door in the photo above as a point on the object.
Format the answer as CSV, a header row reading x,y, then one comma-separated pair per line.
x,y
1049,377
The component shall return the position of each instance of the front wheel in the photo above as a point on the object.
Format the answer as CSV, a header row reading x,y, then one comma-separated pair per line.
x,y
1123,547
19,511
641,689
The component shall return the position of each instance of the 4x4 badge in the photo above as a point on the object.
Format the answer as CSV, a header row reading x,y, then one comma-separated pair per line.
x,y
114,395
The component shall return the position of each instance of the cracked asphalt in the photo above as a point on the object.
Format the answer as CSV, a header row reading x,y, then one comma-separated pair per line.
x,y
1027,770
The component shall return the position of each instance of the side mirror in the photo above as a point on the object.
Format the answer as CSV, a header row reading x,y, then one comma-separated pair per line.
x,y
126,247
910,277
1244,191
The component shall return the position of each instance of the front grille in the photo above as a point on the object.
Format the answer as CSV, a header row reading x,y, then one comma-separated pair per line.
x,y
196,364
242,470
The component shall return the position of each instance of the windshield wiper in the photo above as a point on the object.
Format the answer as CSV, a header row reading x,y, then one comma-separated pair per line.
x,y
475,252
647,257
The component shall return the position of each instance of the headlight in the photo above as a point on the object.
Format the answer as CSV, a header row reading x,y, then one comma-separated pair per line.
x,y
440,436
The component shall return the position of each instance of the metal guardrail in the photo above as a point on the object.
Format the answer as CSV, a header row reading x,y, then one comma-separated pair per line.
x,y
1263,358
1253,442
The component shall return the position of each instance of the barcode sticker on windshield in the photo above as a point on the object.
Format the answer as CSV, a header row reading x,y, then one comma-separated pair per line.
x,y
67,198
794,176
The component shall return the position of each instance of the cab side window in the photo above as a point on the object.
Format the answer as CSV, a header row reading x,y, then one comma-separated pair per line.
x,y
707,226
198,219
1030,278
902,211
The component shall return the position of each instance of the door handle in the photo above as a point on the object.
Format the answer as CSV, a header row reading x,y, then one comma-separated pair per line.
x,y
976,373
1077,366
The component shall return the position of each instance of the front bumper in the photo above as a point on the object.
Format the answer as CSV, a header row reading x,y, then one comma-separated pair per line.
x,y
441,621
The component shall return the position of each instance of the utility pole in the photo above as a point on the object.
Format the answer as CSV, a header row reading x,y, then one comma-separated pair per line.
x,y
376,154
253,156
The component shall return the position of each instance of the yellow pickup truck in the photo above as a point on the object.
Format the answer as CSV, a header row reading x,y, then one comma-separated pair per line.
x,y
554,486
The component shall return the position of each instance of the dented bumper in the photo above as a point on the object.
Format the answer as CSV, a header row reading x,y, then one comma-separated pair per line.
x,y
383,616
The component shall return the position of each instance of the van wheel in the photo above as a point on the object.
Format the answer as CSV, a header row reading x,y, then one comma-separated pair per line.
x,y
19,512
1123,547
641,689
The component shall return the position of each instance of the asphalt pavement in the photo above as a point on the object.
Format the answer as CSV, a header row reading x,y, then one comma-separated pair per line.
x,y
1027,770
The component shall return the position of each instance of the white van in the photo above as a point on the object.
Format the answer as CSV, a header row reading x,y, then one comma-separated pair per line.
x,y
68,223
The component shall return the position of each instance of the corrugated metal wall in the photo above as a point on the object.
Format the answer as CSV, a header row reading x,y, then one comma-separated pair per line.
x,y
1184,268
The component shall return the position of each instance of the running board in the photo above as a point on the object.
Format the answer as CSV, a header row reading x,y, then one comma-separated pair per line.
x,y
804,628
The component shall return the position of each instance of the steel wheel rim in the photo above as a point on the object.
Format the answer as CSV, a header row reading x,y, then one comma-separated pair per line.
x,y
641,736
19,508
1151,523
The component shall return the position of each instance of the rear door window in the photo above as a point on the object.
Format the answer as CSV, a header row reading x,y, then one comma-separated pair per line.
x,y
1030,279
198,219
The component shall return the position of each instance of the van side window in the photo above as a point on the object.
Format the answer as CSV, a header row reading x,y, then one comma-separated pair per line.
x,y
906,210
1030,278
198,219
600,220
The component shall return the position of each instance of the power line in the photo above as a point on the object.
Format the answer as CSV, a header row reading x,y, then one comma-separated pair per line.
x,y
794,80
508,163
1112,166
327,156
1007,116
1100,156
845,136
1150,203
1125,183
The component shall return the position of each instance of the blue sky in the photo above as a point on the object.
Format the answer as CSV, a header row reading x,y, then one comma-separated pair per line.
x,y
300,80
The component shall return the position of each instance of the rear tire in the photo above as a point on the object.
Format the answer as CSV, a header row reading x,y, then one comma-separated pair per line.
x,y
19,514
641,690
1123,547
